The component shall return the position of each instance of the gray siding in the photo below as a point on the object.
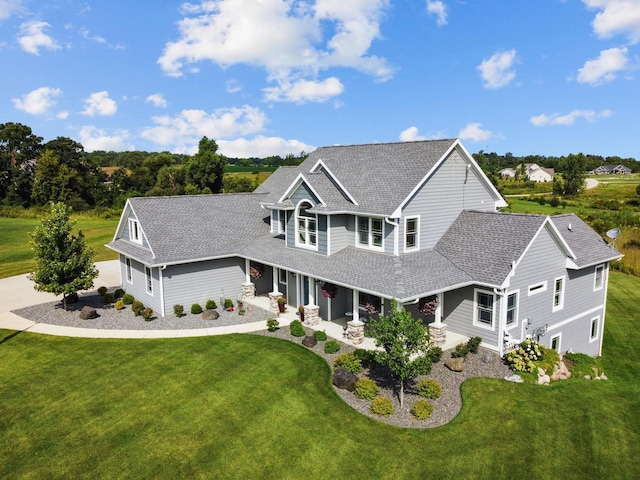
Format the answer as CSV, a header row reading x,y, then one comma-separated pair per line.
x,y
125,231
458,315
304,193
451,189
339,234
341,303
138,285
197,282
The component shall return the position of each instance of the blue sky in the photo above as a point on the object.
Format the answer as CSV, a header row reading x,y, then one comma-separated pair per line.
x,y
271,77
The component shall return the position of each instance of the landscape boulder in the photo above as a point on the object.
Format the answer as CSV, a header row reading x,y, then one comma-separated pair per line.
x,y
543,378
210,315
87,313
344,379
309,341
455,364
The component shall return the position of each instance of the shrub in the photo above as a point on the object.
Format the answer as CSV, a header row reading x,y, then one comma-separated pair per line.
x,y
137,306
107,299
296,329
228,303
119,293
196,309
331,347
435,354
211,305
127,299
272,324
350,362
119,305
382,406
429,388
522,358
102,290
178,310
147,313
366,388
320,335
461,351
554,202
421,410
473,344
367,357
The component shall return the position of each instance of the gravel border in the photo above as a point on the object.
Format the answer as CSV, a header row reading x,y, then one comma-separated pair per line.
x,y
485,363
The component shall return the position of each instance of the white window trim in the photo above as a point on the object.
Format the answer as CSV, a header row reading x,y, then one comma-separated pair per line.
x,y
476,322
560,305
597,335
559,337
537,288
417,242
369,245
282,221
148,277
595,278
281,272
517,310
298,243
134,226
128,269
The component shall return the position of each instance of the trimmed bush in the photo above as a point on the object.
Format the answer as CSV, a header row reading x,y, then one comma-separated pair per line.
x,y
461,351
178,310
296,329
367,357
435,354
127,299
348,361
228,303
272,324
147,313
119,293
320,335
196,309
107,299
382,406
429,388
366,389
119,305
331,347
137,306
473,344
421,410
102,290
211,305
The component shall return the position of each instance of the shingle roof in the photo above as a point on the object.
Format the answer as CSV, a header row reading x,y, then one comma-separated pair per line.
x,y
589,247
276,184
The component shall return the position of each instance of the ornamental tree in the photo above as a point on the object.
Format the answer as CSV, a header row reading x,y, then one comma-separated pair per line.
x,y
64,262
405,343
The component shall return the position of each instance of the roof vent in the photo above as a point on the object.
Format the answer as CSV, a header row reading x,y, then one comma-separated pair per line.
x,y
569,227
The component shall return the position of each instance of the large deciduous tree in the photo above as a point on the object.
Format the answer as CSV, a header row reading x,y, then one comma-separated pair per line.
x,y
64,262
19,148
205,170
573,169
405,345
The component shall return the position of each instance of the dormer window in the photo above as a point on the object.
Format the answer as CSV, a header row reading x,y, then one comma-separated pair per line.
x,y
134,231
371,233
306,227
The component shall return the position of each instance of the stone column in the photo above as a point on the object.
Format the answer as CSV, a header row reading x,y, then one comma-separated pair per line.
x,y
273,302
438,333
312,315
248,290
355,332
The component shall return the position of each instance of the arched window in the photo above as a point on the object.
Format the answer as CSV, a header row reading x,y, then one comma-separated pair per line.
x,y
306,226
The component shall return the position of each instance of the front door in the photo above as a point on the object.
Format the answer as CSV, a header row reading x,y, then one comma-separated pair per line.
x,y
305,290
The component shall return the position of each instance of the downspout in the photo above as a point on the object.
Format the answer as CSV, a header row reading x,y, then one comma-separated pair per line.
x,y
160,270
502,320
396,234
604,306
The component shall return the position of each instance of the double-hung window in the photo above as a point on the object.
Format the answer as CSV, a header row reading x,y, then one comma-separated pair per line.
x,y
558,293
306,227
371,233
149,277
134,231
127,262
598,282
512,309
411,240
483,311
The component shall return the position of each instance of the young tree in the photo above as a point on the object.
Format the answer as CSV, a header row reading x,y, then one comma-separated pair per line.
x,y
405,343
574,172
64,263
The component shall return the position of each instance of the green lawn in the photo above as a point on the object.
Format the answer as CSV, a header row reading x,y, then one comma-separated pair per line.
x,y
245,406
16,256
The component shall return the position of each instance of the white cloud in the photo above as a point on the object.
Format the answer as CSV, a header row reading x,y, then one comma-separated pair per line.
x,y
410,135
570,118
303,91
604,68
262,147
32,37
616,17
93,139
157,99
233,86
474,132
95,38
439,9
9,8
38,101
181,133
99,103
497,71
290,40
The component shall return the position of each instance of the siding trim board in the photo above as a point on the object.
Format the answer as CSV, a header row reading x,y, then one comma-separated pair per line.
x,y
574,318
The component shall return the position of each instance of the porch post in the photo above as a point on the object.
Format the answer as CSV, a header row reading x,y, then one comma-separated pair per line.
x,y
355,328
274,278
437,329
247,270
248,287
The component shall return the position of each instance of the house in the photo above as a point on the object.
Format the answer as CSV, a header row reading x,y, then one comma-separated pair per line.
x,y
353,227
611,170
532,171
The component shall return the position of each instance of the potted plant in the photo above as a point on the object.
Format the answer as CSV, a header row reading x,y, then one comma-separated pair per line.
x,y
301,313
282,302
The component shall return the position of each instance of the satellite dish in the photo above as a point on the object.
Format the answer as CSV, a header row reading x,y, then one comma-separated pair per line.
x,y
613,233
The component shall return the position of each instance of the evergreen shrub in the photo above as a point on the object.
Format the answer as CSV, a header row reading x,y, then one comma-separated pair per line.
x,y
196,309
366,389
382,406
331,347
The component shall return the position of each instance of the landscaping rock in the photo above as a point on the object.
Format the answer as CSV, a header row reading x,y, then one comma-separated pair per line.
x,y
344,379
210,315
515,378
455,364
543,378
309,341
87,313
561,372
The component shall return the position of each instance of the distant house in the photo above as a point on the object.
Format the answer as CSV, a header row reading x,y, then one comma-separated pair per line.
x,y
531,171
611,170
353,227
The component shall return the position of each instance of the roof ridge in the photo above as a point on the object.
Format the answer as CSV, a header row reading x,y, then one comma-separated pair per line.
x,y
452,139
